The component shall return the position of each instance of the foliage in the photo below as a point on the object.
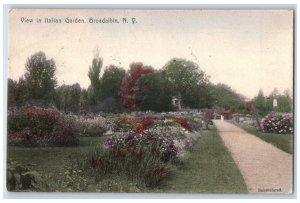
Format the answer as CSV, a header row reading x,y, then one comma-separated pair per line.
x,y
94,125
142,148
84,99
181,121
92,132
17,92
68,98
194,175
124,123
188,81
264,104
111,81
260,103
107,105
94,75
138,124
33,126
40,77
136,144
129,91
196,123
20,177
143,123
11,89
277,123
227,98
158,93
141,157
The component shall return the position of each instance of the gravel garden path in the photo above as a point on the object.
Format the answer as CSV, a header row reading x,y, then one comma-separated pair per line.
x,y
265,168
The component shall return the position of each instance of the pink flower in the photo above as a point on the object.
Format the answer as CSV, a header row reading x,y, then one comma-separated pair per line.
x,y
109,142
188,142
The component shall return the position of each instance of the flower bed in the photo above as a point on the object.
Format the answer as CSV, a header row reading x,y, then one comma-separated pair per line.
x,y
277,123
93,126
33,126
143,147
182,121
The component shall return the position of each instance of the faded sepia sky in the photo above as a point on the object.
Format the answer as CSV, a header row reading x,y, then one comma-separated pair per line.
x,y
245,49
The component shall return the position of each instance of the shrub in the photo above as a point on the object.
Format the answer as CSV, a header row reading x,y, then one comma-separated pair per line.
x,y
20,177
94,126
33,126
92,132
277,123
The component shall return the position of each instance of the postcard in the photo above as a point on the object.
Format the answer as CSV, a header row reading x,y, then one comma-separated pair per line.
x,y
185,101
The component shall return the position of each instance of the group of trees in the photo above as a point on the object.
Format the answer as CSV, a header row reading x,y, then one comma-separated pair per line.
x,y
264,104
226,98
139,88
38,83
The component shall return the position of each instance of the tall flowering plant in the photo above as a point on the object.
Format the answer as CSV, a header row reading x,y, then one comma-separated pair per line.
x,y
277,123
141,156
132,144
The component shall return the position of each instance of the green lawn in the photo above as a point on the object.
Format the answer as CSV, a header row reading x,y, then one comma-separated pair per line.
x,y
53,163
208,168
282,141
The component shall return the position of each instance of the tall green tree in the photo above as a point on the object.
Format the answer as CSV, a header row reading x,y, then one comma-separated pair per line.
x,y
11,88
260,102
111,81
284,101
68,98
157,94
84,99
188,81
227,98
265,104
40,77
94,75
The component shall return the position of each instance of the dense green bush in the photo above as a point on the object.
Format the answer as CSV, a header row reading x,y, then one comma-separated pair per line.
x,y
33,126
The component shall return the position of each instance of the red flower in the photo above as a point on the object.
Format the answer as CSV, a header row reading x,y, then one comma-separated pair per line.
x,y
180,121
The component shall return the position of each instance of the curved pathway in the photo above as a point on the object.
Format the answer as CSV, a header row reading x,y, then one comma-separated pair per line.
x,y
265,168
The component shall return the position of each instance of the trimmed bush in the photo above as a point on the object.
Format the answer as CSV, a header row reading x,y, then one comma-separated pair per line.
x,y
277,123
33,126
